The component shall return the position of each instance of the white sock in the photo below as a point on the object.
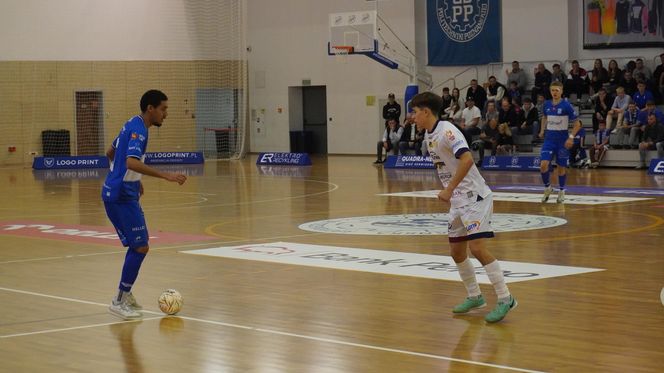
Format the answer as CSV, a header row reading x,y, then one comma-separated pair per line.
x,y
497,280
467,273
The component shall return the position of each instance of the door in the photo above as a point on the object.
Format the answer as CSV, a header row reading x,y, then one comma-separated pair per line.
x,y
89,123
314,115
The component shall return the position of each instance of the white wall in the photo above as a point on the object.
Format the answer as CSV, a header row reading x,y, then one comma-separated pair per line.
x,y
117,30
288,41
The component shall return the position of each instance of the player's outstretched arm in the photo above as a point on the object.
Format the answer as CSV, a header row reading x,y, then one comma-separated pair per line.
x,y
575,129
136,165
542,127
110,153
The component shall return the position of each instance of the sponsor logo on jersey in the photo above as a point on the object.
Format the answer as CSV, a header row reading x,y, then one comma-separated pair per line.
x,y
472,226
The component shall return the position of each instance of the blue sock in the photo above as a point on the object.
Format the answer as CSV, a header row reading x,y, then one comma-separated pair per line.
x,y
561,181
132,265
546,179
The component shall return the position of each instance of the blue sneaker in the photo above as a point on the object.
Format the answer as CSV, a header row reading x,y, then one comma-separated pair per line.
x,y
501,310
469,304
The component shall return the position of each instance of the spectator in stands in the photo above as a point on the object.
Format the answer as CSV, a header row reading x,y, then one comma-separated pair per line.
x,y
411,138
391,110
641,71
455,110
517,75
599,76
642,95
577,81
650,109
488,139
617,109
658,80
602,107
628,83
514,93
491,112
543,79
447,101
505,142
507,114
578,157
630,66
615,76
390,140
540,106
601,145
470,119
556,76
653,138
494,90
630,131
531,121
477,93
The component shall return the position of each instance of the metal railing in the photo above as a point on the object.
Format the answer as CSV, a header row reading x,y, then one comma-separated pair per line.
x,y
458,75
527,66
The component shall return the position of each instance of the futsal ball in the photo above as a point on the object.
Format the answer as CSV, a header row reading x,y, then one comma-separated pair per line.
x,y
661,296
170,302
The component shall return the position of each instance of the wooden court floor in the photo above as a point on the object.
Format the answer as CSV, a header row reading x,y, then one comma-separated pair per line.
x,y
256,316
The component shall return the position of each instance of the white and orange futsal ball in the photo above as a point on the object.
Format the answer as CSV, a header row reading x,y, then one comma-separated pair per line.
x,y
170,302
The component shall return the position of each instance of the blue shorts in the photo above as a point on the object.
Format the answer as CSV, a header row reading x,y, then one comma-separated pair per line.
x,y
128,219
557,149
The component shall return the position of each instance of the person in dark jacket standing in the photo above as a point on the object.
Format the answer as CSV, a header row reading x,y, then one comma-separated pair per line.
x,y
391,110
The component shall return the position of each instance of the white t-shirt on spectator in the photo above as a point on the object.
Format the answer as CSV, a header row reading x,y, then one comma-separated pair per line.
x,y
470,114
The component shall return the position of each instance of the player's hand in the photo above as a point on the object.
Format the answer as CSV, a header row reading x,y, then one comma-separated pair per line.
x,y
541,135
445,195
177,178
569,143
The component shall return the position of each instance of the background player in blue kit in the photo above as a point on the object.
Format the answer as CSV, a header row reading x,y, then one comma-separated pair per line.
x,y
122,189
558,114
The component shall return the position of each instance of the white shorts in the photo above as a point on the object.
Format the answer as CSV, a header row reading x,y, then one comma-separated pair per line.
x,y
471,221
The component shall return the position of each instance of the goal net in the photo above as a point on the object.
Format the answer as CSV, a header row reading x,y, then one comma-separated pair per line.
x,y
76,103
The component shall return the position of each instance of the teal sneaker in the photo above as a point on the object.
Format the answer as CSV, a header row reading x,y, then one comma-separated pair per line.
x,y
501,310
469,304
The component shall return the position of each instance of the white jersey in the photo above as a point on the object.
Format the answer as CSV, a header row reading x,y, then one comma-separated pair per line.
x,y
445,144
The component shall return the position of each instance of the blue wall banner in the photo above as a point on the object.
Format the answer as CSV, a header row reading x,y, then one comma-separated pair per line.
x,y
407,161
174,158
464,32
291,159
656,166
85,161
511,163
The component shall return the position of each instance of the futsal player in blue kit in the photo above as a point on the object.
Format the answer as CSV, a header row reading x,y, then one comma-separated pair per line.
x,y
122,190
558,114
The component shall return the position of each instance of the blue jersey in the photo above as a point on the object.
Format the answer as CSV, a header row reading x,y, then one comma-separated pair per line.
x,y
122,184
558,119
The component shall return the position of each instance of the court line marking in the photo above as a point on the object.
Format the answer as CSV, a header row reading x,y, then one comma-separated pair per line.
x,y
198,204
256,329
47,331
191,245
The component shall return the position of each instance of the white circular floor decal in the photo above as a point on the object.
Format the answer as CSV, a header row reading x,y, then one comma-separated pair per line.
x,y
423,224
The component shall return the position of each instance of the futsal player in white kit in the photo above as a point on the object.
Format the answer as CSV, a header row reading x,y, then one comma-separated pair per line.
x,y
471,206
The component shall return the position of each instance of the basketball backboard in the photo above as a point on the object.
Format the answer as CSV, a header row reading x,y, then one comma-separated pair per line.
x,y
353,29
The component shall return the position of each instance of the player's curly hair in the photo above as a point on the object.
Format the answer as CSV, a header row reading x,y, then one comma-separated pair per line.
x,y
152,97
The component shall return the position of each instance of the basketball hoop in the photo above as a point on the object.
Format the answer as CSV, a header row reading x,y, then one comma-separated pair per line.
x,y
341,52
